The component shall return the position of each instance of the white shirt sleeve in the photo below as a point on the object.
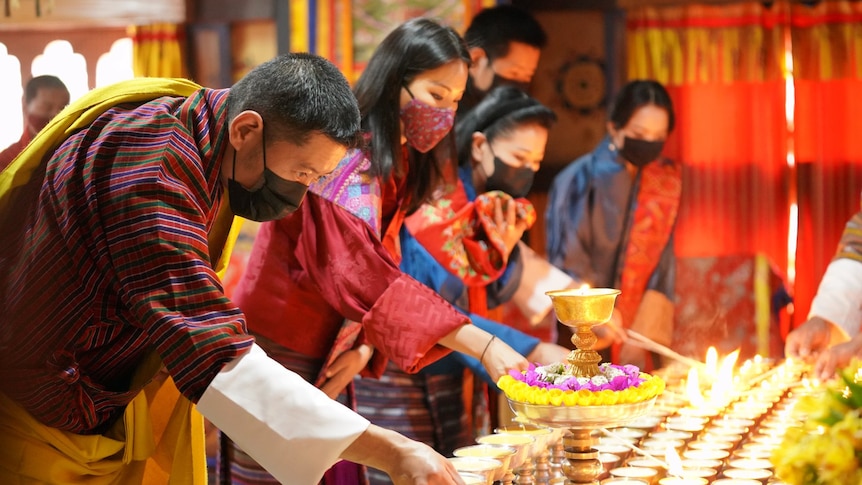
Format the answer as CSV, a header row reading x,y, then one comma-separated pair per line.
x,y
839,296
538,277
294,430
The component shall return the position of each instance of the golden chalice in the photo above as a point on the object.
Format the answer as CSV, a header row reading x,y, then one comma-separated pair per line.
x,y
582,309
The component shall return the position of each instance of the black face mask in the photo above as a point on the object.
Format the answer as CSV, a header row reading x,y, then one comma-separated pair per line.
x,y
276,198
641,152
515,181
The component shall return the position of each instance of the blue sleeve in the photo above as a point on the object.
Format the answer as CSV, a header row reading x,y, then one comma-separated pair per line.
x,y
454,362
417,262
564,213
421,265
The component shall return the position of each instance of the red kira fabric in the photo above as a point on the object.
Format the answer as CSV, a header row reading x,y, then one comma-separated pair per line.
x,y
653,221
327,266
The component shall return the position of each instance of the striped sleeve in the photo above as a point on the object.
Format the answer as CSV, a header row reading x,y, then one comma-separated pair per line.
x,y
850,246
154,213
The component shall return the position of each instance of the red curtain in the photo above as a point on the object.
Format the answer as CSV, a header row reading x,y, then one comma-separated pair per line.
x,y
730,141
723,68
726,69
827,52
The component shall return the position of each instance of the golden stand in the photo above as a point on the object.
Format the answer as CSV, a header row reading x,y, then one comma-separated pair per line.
x,y
582,309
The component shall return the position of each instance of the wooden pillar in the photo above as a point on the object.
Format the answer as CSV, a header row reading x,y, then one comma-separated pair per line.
x,y
282,25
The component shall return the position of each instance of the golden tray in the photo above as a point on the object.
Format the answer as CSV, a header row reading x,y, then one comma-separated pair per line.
x,y
581,417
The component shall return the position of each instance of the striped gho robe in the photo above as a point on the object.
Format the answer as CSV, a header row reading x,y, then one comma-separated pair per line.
x,y
106,260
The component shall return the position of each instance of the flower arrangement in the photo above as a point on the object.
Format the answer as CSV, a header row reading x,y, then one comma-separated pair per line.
x,y
554,385
826,449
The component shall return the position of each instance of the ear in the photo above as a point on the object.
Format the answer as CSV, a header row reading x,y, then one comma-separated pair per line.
x,y
476,54
478,141
245,128
614,132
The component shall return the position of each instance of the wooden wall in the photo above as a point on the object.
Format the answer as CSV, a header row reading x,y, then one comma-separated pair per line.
x,y
91,26
66,14
90,43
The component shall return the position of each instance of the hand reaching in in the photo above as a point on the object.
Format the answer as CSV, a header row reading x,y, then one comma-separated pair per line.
x,y
407,462
420,464
810,339
837,357
611,332
498,358
546,353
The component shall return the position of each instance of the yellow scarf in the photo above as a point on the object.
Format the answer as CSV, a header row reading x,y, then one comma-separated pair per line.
x,y
161,437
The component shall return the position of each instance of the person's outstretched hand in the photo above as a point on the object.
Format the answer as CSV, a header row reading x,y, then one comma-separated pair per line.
x,y
407,462
499,358
810,339
420,464
546,353
610,332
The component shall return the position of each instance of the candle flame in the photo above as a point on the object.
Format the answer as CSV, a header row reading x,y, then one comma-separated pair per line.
x,y
711,362
783,371
692,388
723,385
674,462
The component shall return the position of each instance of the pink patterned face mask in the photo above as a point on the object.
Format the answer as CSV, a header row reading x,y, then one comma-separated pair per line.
x,y
425,125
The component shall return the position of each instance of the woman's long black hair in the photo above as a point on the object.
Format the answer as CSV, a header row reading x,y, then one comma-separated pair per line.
x,y
415,46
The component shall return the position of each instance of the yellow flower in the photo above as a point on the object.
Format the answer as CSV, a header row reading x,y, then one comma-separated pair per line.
x,y
555,396
827,448
522,392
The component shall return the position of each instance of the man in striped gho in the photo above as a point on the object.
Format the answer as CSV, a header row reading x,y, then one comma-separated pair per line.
x,y
117,221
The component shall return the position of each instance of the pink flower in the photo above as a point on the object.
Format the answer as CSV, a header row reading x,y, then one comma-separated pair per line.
x,y
548,377
619,383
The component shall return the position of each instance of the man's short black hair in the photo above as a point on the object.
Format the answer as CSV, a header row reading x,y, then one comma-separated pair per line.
x,y
494,28
299,94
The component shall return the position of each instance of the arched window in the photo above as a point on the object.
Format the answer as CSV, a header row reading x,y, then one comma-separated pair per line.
x,y
11,97
59,59
116,64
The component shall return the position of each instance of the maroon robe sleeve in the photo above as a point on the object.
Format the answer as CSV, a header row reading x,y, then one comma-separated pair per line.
x,y
324,255
12,151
